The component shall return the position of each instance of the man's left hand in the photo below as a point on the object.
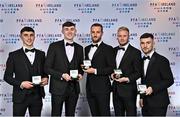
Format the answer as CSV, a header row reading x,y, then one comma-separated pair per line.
x,y
44,81
123,79
149,91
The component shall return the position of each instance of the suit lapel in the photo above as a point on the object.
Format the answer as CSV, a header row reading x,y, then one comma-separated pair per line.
x,y
63,51
87,53
127,52
24,59
150,65
98,50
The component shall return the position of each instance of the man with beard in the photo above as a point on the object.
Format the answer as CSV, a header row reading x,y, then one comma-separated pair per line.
x,y
98,84
157,76
128,63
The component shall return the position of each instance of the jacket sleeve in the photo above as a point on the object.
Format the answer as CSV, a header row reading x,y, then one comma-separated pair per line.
x,y
166,77
9,72
49,63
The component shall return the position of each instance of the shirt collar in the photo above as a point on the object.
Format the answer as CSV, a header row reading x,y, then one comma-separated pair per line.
x,y
150,54
24,47
66,41
125,46
98,43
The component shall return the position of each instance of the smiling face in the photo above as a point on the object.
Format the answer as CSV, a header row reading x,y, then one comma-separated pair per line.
x,y
28,38
69,32
123,37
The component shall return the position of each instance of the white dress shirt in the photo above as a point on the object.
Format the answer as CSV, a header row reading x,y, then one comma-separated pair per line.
x,y
120,54
69,50
30,55
93,50
146,62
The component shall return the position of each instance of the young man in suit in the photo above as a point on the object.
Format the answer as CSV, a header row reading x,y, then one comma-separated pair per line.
x,y
98,84
157,76
22,66
62,58
128,62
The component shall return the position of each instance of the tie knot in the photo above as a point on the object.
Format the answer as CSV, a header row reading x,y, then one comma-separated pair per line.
x,y
94,45
30,50
146,57
69,44
121,48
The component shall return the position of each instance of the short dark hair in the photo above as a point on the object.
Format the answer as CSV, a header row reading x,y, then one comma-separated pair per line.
x,y
68,24
147,35
26,28
97,24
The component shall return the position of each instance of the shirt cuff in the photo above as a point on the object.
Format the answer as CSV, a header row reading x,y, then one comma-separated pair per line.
x,y
21,86
128,80
95,71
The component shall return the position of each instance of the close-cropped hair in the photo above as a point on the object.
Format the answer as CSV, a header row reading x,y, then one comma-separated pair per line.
x,y
68,24
147,35
97,24
26,28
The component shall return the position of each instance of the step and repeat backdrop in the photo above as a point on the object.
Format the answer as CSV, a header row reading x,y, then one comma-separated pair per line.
x,y
159,17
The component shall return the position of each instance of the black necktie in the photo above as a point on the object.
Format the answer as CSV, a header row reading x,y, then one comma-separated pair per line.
x,y
146,57
121,48
30,50
94,45
70,44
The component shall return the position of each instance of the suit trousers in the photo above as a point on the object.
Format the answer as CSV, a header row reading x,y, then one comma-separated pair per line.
x,y
70,98
99,104
124,105
154,111
32,102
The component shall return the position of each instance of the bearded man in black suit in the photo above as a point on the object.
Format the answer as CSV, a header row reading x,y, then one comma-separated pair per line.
x,y
98,84
128,63
157,76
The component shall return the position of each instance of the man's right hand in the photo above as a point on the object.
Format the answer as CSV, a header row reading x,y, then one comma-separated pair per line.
x,y
26,85
66,77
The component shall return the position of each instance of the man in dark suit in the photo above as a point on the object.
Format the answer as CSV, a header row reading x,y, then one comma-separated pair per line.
x,y
157,77
63,58
22,66
128,62
98,84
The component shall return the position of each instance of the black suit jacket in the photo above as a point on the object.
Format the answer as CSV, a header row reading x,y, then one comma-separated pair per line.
x,y
159,76
17,71
103,60
131,66
57,63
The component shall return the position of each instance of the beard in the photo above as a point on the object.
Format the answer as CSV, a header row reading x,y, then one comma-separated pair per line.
x,y
124,43
96,41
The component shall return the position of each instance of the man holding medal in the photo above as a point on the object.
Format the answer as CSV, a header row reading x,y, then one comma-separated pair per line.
x,y
99,65
63,63
128,70
25,72
157,77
